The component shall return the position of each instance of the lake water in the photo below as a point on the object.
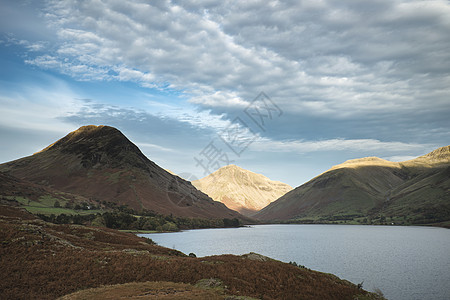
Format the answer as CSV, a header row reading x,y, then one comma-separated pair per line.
x,y
405,263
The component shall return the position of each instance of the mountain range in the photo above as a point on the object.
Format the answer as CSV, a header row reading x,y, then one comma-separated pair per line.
x,y
416,191
100,164
240,189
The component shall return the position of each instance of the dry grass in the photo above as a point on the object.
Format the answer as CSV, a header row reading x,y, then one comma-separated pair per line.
x,y
146,290
45,261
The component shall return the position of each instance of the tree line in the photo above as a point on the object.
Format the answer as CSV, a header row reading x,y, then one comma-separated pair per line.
x,y
147,220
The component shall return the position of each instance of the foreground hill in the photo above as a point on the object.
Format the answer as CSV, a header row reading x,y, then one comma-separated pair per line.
x,y
101,164
410,192
240,189
40,260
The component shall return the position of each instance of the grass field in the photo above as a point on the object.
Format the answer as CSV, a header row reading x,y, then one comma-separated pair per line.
x,y
45,206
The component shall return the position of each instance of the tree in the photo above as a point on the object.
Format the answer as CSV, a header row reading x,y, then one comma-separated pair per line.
x,y
62,219
57,204
77,219
99,221
169,226
108,220
231,222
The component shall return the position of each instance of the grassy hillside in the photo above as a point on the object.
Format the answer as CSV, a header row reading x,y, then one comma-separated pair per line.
x,y
41,199
40,260
64,208
372,191
100,163
423,199
341,191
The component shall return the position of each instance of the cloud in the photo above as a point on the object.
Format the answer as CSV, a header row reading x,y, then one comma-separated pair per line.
x,y
37,107
327,58
24,18
399,158
10,39
153,146
347,75
355,145
162,119
30,114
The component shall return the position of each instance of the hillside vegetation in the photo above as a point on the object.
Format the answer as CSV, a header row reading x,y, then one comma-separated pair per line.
x,y
100,164
40,260
372,191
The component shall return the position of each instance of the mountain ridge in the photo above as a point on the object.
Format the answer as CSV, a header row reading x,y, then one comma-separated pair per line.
x,y
102,164
437,156
415,191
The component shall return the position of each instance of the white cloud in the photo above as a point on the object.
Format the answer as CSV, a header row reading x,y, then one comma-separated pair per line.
x,y
220,99
399,158
37,107
154,147
335,58
381,61
356,145
80,71
10,39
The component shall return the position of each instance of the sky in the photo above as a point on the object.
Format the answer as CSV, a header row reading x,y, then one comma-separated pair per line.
x,y
283,88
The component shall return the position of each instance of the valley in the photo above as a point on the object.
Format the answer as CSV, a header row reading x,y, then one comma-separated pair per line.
x,y
96,170
61,209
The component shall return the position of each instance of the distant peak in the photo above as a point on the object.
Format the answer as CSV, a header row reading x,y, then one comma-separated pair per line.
x,y
94,131
440,155
231,167
365,161
371,159
439,152
233,171
88,129
86,132
98,146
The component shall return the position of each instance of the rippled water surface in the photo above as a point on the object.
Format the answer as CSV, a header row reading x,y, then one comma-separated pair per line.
x,y
403,262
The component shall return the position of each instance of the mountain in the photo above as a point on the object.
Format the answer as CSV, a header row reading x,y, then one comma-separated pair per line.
x,y
101,164
240,189
416,191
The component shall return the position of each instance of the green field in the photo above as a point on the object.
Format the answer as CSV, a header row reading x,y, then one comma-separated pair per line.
x,y
45,206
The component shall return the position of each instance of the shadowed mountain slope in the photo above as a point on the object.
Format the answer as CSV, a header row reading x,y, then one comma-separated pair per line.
x,y
100,163
417,191
240,189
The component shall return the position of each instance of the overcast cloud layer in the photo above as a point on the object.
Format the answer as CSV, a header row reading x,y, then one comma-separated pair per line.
x,y
351,78
347,57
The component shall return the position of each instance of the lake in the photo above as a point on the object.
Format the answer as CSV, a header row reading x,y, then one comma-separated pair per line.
x,y
404,262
